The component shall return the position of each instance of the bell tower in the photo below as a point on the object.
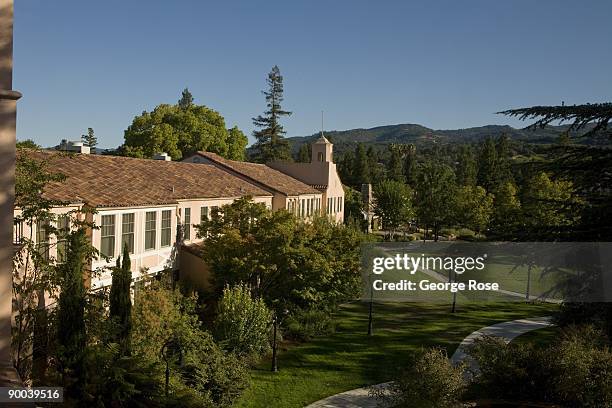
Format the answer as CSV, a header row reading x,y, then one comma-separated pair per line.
x,y
322,151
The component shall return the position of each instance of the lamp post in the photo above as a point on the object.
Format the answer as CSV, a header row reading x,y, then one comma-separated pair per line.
x,y
275,322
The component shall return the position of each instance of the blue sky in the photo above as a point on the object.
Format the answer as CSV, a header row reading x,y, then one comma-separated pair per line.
x,y
442,64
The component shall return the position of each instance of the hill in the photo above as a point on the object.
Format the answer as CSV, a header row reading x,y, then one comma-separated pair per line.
x,y
408,133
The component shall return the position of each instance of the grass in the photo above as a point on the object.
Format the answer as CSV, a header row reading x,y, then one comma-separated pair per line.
x,y
350,359
540,337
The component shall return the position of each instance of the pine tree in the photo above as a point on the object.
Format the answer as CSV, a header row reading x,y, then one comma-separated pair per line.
x,y
90,138
304,153
504,170
466,166
120,313
71,335
361,167
394,165
410,166
186,100
271,144
487,165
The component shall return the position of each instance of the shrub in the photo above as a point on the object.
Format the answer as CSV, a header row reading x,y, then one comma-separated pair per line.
x,y
466,234
431,381
243,323
574,371
201,373
306,324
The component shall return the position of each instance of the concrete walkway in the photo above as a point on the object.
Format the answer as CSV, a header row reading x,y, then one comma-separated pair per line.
x,y
359,397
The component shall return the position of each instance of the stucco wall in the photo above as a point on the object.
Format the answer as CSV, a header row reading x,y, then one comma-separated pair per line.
x,y
8,99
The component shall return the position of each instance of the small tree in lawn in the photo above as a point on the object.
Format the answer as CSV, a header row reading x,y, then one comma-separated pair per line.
x,y
393,204
242,325
271,144
435,195
120,313
474,207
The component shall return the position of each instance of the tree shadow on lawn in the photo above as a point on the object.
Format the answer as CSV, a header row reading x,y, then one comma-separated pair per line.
x,y
351,358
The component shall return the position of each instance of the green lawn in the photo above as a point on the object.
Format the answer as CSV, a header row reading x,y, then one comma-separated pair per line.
x,y
540,337
349,358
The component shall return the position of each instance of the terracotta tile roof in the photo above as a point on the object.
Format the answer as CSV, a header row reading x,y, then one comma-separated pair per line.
x,y
113,181
264,175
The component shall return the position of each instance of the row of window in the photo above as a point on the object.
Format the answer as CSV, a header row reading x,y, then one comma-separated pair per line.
x,y
334,205
108,231
304,207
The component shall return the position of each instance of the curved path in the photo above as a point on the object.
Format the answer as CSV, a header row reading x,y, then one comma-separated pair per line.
x,y
359,397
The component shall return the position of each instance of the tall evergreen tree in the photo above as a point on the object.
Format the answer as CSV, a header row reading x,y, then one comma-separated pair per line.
x,y
271,144
410,165
120,312
304,153
71,336
361,166
503,171
394,165
186,100
90,138
466,166
487,165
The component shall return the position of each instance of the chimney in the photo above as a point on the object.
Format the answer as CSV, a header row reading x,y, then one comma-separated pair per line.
x,y
163,156
78,147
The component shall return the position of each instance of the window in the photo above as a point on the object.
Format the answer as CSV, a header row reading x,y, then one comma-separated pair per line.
x,y
150,221
18,232
63,226
107,233
127,232
203,214
166,228
42,239
187,224
320,156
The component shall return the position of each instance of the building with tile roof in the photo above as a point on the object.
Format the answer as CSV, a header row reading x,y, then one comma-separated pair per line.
x,y
144,203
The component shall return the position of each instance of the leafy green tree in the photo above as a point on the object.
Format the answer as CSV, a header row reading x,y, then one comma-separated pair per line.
x,y
304,153
120,310
236,144
435,196
393,204
474,207
181,132
186,100
291,264
467,168
71,334
410,166
549,206
353,208
90,138
487,165
361,166
506,209
270,142
243,323
26,144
